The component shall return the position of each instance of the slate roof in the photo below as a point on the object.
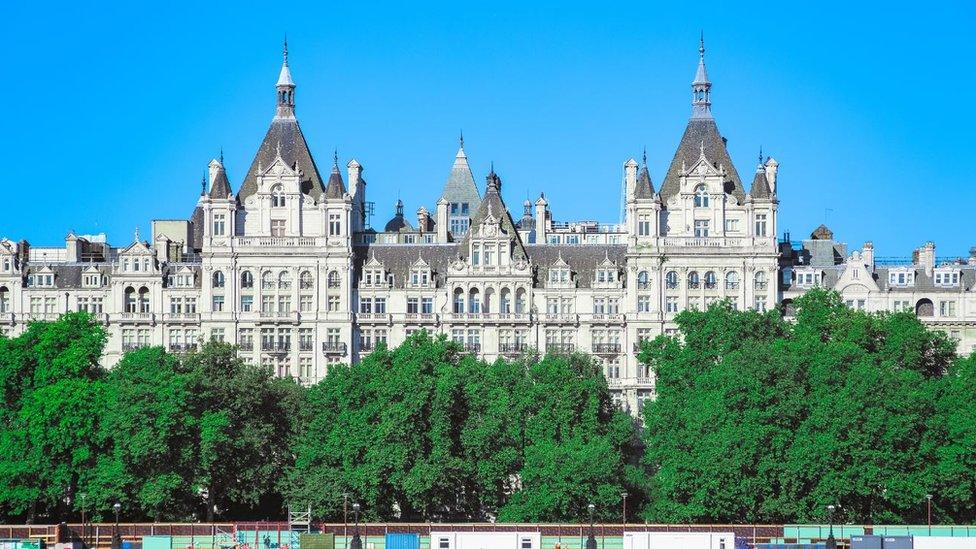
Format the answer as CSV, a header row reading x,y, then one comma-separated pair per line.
x,y
220,186
294,151
397,259
582,260
196,228
689,149
460,186
760,185
645,188
336,188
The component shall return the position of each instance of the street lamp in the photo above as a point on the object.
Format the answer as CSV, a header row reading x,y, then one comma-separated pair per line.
x,y
116,539
591,540
357,542
831,542
624,496
205,494
928,497
84,524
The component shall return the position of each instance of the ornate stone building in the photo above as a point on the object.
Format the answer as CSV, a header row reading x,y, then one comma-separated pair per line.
x,y
289,269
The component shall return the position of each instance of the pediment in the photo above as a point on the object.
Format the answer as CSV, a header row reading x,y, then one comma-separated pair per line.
x,y
136,248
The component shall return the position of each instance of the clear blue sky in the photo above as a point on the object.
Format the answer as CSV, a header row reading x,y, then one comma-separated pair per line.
x,y
112,113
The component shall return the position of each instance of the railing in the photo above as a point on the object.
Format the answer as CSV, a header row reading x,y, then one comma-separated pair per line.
x,y
373,317
643,285
472,347
126,347
333,348
607,317
277,241
279,315
731,285
694,285
606,348
421,318
554,348
181,317
7,318
246,346
561,317
645,381
275,347
761,285
306,285
305,346
137,317
513,348
182,347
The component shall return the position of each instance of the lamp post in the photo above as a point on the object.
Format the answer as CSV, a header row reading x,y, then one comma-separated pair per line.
x,y
831,542
591,540
84,523
624,496
116,539
357,542
928,498
205,494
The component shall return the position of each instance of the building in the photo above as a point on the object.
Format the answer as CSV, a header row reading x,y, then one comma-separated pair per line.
x,y
288,268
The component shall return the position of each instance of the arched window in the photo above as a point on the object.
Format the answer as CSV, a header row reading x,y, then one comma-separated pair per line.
x,y
489,297
4,299
760,280
925,308
731,280
505,303
333,279
710,280
267,280
277,197
643,281
247,279
305,280
458,301
284,280
701,197
130,300
693,280
474,301
144,300
520,305
218,279
671,280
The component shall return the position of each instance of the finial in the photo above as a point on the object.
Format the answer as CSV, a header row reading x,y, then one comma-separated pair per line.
x,y
285,51
335,158
701,45
645,155
221,155
492,167
461,139
760,155
701,147
137,235
203,185
278,148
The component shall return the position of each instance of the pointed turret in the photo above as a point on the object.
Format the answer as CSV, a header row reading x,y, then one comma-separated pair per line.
x,y
219,185
760,184
284,138
701,137
461,193
493,205
336,188
644,188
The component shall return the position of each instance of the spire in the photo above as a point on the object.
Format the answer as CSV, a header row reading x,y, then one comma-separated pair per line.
x,y
286,88
335,188
460,187
701,88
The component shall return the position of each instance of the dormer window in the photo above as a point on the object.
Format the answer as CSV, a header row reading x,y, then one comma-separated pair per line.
x,y
946,278
901,278
92,280
606,276
701,197
6,264
808,278
420,278
277,197
373,277
559,276
40,280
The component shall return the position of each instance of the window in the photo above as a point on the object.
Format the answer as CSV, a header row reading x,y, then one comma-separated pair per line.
x,y
247,303
458,301
217,334
379,305
218,303
333,303
760,224
643,304
305,303
218,279
277,197
731,225
701,197
284,280
419,278
335,225
710,280
731,280
671,305
901,278
761,304
760,281
277,227
693,281
559,276
333,279
218,224
305,281
946,278
247,280
474,301
947,308
644,225
413,306
701,228
427,305
643,280
671,280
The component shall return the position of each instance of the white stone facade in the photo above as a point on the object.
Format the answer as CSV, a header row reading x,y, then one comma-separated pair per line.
x,y
288,268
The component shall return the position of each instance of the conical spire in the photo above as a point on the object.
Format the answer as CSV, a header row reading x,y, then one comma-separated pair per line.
x,y
286,88
335,188
460,187
701,87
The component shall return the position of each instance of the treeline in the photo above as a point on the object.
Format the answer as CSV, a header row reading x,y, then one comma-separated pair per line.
x,y
756,420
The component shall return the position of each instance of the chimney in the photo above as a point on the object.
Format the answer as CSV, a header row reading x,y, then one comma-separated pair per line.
x,y
355,171
442,220
162,248
540,219
72,248
972,255
867,253
422,217
926,257
772,166
630,177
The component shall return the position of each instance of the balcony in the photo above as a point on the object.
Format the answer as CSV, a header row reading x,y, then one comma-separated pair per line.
x,y
278,316
181,317
277,242
513,317
474,348
246,346
560,348
137,318
645,381
643,285
275,346
133,346
6,318
513,348
373,318
421,318
33,317
334,348
606,348
607,317
561,318
182,347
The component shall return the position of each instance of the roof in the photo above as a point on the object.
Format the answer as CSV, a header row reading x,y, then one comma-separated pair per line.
x,y
582,260
286,133
397,223
336,188
698,132
398,259
196,228
219,186
645,188
460,186
760,184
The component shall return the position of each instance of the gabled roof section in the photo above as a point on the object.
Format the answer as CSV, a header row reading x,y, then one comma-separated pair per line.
x,y
286,134
493,205
460,186
702,134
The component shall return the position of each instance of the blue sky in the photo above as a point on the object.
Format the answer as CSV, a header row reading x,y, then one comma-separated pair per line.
x,y
113,112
